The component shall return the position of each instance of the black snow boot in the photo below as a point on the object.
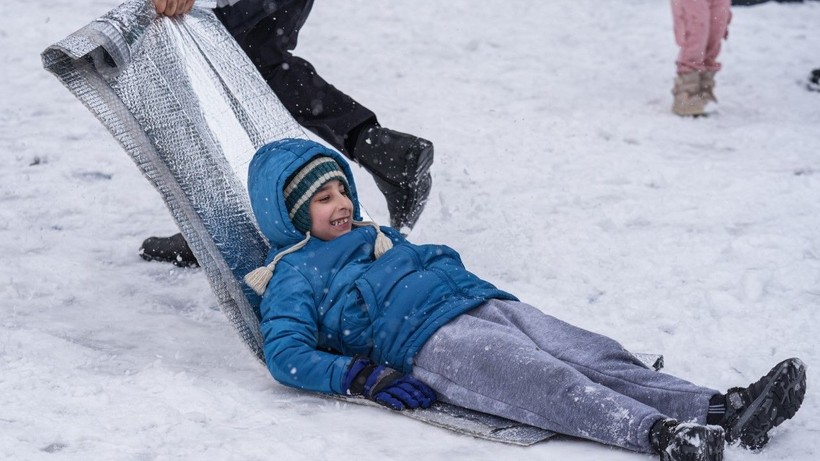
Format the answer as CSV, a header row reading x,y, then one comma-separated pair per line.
x,y
173,249
676,441
400,164
751,412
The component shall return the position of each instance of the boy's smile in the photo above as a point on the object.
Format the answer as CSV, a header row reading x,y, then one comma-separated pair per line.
x,y
340,222
331,211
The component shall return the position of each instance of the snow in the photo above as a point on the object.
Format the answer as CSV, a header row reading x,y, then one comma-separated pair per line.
x,y
560,175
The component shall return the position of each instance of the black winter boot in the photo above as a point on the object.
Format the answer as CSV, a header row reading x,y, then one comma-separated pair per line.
x,y
676,441
173,249
751,412
400,164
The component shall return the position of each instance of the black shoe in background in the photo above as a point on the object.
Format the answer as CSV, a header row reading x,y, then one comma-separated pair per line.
x,y
814,80
400,164
173,249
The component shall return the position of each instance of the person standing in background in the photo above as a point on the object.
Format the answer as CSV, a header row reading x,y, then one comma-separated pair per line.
x,y
700,25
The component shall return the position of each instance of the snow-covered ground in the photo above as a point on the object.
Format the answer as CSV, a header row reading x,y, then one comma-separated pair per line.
x,y
560,175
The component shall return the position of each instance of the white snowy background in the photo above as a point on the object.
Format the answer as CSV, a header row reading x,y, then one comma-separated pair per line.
x,y
560,175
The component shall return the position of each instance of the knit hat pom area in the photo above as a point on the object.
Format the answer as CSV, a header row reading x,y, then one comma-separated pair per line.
x,y
306,182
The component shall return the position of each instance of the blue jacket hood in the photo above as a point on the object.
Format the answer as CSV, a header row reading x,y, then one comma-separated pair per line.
x,y
268,173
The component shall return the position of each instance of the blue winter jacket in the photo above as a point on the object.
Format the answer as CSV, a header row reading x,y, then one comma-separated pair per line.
x,y
331,300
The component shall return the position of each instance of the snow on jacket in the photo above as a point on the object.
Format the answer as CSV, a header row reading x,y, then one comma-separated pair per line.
x,y
331,300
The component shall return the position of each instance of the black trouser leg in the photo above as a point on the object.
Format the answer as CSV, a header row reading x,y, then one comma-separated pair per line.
x,y
316,104
267,36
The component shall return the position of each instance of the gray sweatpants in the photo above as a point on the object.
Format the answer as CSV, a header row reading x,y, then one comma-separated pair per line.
x,y
512,360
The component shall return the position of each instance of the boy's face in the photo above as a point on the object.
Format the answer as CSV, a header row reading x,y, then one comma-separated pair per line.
x,y
331,211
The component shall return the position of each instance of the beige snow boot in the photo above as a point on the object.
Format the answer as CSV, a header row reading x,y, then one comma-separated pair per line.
x,y
707,86
688,101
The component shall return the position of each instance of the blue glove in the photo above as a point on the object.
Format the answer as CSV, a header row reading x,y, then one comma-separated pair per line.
x,y
386,386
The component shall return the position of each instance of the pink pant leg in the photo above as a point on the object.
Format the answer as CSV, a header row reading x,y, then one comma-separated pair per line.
x,y
692,22
720,15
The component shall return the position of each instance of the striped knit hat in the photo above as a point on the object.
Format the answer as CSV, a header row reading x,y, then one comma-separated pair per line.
x,y
298,191
306,182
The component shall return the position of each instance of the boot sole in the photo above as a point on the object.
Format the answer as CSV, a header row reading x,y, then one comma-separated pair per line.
x,y
179,262
690,113
416,198
779,401
425,160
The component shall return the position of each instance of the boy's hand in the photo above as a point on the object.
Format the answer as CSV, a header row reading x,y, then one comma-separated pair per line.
x,y
173,7
387,386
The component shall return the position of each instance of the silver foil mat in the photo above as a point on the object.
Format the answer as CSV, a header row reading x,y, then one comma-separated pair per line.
x,y
190,109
